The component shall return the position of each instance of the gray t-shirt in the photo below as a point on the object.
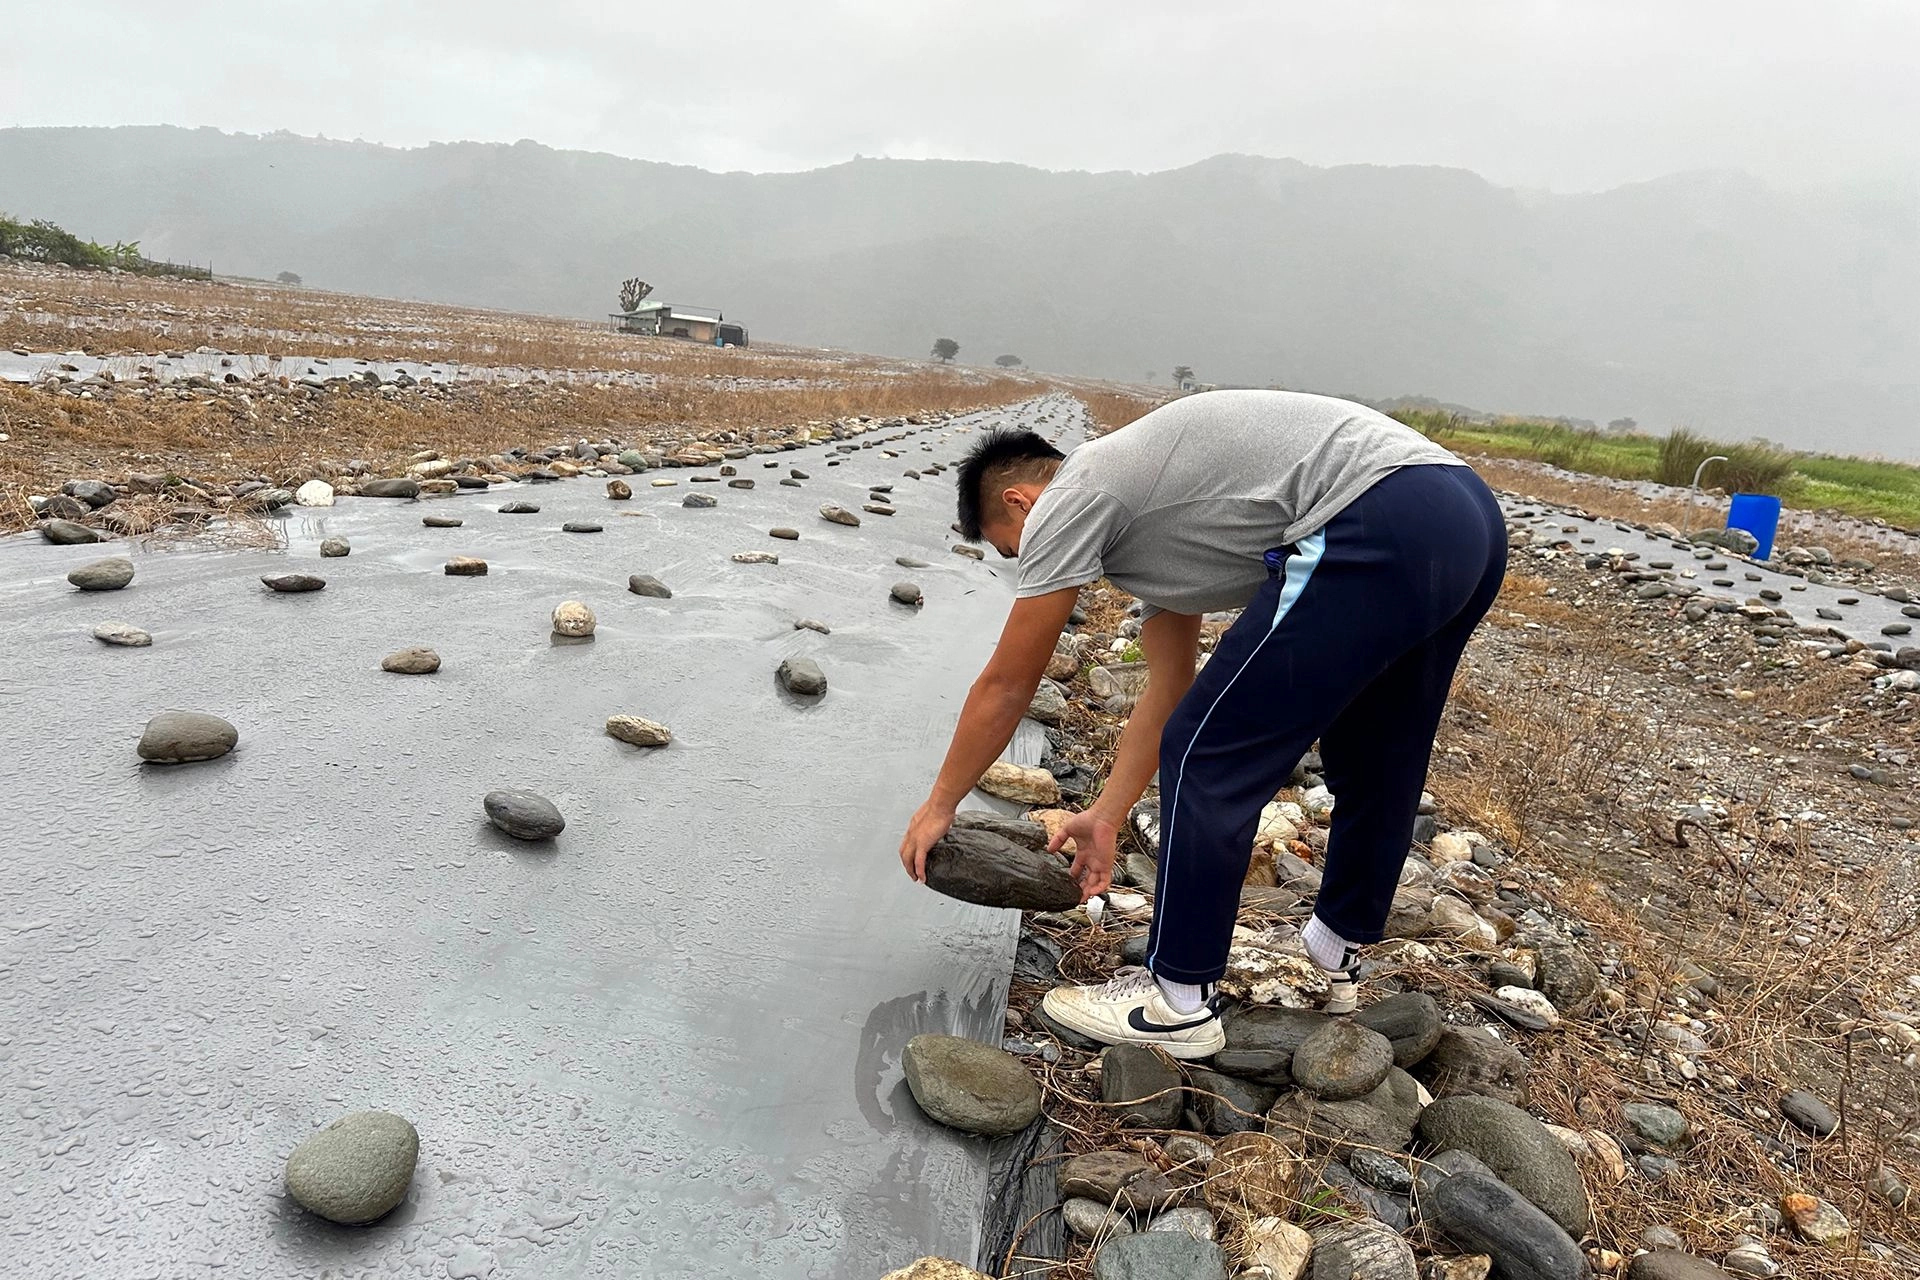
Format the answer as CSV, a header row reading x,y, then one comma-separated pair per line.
x,y
1179,507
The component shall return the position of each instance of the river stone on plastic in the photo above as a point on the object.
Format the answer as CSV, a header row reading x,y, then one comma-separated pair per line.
x,y
122,635
989,870
356,1169
970,1086
1518,1150
839,515
466,567
906,593
645,584
110,574
395,488
802,676
638,731
314,493
1342,1060
186,737
294,583
572,618
700,501
1159,1255
522,814
335,548
66,533
519,508
1483,1215
619,490
415,661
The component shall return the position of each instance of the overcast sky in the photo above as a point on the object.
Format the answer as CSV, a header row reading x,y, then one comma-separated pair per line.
x,y
1572,96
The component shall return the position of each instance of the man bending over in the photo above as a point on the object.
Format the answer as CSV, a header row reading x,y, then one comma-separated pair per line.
x,y
1362,555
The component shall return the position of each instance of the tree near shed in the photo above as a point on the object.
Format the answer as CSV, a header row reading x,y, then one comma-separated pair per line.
x,y
945,349
632,293
288,277
1183,373
1007,362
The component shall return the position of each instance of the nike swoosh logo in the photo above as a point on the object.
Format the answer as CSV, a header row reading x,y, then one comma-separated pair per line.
x,y
1139,1023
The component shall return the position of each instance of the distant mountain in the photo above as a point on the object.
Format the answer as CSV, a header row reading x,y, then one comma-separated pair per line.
x,y
1706,299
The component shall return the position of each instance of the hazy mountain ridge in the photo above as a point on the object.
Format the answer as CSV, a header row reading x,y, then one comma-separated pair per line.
x,y
1704,298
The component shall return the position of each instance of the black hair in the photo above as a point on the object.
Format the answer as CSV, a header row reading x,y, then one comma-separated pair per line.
x,y
1005,453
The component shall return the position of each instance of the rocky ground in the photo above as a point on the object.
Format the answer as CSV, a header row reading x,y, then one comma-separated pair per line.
x,y
1649,1002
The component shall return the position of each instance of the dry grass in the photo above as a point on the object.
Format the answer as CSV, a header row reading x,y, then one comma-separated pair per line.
x,y
45,309
1539,744
1111,410
1784,1017
264,427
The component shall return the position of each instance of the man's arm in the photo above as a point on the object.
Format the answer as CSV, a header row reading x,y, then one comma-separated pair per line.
x,y
993,709
1170,642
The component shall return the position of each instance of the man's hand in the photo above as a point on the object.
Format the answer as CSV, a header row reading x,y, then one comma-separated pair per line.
x,y
1093,840
930,821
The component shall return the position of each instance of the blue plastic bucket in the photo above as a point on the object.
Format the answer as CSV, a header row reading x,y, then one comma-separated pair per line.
x,y
1759,515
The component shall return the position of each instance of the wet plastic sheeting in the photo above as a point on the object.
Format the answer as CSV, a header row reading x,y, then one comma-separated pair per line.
x,y
1861,620
668,1044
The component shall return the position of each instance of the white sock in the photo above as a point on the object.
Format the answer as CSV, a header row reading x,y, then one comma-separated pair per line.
x,y
1325,947
1185,997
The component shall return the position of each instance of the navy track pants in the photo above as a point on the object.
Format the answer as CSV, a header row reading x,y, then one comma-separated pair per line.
x,y
1353,640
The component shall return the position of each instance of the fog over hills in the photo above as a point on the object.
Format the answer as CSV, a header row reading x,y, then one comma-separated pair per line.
x,y
1706,299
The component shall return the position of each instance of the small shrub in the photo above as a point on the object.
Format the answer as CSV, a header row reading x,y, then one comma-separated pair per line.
x,y
1749,468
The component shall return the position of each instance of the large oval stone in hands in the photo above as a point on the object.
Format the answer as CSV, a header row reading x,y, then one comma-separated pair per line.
x,y
988,869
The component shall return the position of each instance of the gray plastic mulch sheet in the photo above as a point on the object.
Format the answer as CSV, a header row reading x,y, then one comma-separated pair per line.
x,y
665,1044
1862,619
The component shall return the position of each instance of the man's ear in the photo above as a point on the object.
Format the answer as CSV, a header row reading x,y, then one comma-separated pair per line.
x,y
1015,500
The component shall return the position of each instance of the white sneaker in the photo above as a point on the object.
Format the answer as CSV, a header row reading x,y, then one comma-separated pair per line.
x,y
1131,1009
1343,985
